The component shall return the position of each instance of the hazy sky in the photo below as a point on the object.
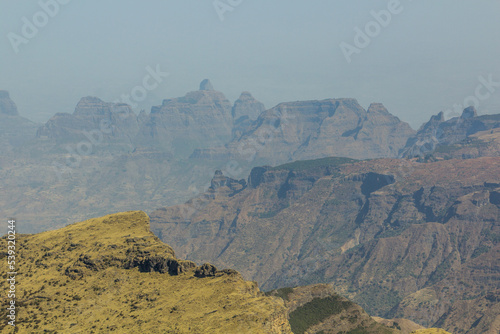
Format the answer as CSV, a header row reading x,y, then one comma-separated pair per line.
x,y
426,58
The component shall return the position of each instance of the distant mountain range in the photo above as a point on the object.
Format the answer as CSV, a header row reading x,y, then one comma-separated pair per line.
x,y
205,122
314,129
103,157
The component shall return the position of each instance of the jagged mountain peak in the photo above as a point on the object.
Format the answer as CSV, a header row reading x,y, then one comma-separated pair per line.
x,y
246,96
469,112
7,106
439,117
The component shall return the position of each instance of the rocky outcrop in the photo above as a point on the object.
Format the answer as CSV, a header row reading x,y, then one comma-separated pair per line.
x,y
379,230
221,184
205,270
469,112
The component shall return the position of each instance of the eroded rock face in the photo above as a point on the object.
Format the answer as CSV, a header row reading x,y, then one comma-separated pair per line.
x,y
313,129
467,300
380,230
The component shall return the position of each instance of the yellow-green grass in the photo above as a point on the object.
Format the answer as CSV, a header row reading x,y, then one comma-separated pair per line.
x,y
105,297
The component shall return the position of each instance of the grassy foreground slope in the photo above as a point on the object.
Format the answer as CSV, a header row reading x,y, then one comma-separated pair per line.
x,y
111,274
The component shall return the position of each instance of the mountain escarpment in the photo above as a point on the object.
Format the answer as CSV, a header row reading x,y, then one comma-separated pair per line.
x,y
378,230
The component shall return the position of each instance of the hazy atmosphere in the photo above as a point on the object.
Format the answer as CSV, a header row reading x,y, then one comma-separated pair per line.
x,y
250,166
278,50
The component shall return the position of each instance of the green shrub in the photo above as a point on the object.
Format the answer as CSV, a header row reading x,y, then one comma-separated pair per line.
x,y
315,312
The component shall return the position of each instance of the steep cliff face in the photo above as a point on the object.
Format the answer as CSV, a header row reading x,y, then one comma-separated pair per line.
x,y
112,274
438,134
379,230
313,129
466,301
